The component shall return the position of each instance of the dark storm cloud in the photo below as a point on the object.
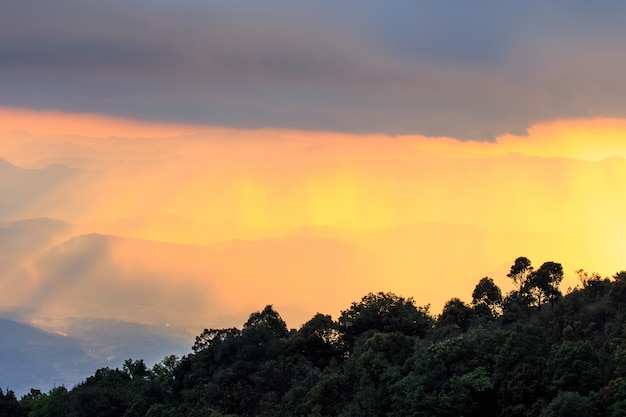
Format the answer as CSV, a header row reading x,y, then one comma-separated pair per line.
x,y
468,70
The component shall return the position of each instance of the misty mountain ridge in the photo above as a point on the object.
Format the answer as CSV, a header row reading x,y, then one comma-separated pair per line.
x,y
130,267
31,235
39,193
136,279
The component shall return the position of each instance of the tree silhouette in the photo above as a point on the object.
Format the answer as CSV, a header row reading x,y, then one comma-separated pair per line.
x,y
620,276
268,320
209,336
385,312
9,406
543,284
488,294
457,313
384,356
520,271
318,340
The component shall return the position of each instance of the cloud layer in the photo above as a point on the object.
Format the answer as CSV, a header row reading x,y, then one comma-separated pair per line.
x,y
436,69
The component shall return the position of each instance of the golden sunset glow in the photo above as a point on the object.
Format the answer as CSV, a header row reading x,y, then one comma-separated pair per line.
x,y
90,125
242,217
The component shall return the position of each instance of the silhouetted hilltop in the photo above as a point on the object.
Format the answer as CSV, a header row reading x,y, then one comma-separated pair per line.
x,y
531,352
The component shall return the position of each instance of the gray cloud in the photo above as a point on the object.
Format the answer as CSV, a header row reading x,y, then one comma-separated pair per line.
x,y
433,68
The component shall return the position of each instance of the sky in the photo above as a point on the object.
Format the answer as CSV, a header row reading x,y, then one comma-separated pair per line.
x,y
411,67
218,156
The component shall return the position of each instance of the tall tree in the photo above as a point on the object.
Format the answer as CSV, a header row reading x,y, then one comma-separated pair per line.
x,y
543,284
520,271
488,294
385,312
268,320
457,313
318,340
54,404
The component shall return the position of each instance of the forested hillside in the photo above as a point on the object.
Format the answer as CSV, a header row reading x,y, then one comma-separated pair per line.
x,y
532,352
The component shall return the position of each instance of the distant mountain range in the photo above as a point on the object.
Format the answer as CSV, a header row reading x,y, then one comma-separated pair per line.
x,y
45,192
197,286
33,358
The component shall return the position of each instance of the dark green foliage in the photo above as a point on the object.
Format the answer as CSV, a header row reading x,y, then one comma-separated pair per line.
x,y
576,366
456,313
531,353
268,321
56,403
516,306
385,312
377,362
106,394
568,404
520,369
318,340
9,406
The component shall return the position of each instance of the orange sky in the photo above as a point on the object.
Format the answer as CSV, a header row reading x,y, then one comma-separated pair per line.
x,y
313,204
588,139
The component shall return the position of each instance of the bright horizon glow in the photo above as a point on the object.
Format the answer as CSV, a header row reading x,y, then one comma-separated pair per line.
x,y
586,139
